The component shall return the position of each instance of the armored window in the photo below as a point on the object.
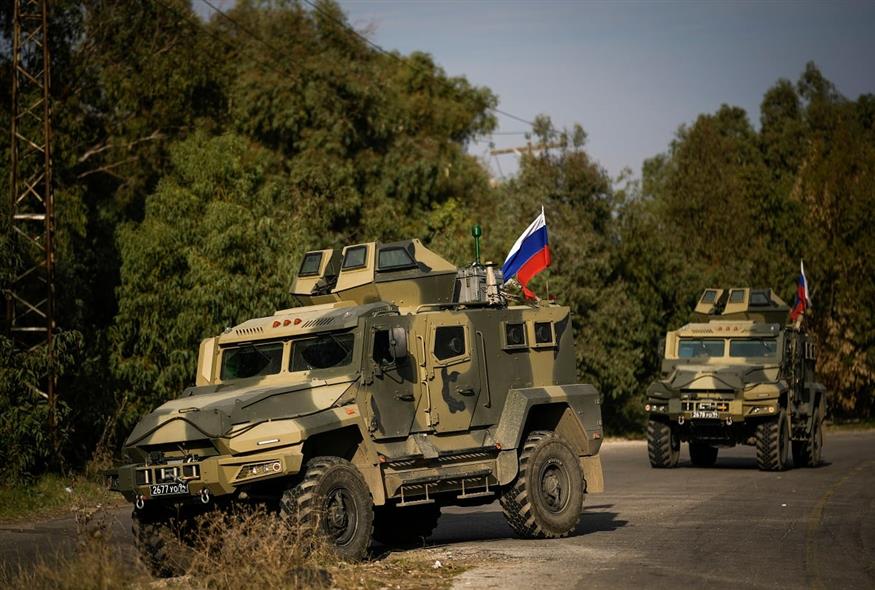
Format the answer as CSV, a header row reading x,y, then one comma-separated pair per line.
x,y
354,257
691,348
251,360
382,352
321,352
394,259
759,298
709,296
310,265
753,348
515,335
449,341
543,333
736,296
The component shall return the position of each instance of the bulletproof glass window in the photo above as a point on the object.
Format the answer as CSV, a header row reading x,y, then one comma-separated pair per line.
x,y
759,298
709,296
354,257
382,352
310,265
543,332
321,352
753,348
251,360
736,296
449,341
691,348
394,259
515,334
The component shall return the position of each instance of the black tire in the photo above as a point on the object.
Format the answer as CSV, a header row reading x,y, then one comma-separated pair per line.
x,y
546,497
773,443
809,453
333,499
157,537
402,527
663,445
702,454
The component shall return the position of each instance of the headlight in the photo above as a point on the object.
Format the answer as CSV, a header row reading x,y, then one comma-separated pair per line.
x,y
252,470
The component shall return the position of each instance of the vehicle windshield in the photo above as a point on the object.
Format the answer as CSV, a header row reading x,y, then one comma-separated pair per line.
x,y
754,348
252,360
691,348
321,352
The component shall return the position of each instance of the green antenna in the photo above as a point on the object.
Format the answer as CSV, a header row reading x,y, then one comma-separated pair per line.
x,y
476,231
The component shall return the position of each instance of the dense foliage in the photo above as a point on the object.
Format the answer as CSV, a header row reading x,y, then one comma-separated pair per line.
x,y
196,161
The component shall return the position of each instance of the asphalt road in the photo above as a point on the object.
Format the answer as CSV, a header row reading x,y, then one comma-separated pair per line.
x,y
726,526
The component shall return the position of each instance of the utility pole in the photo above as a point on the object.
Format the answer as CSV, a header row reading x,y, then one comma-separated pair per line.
x,y
30,296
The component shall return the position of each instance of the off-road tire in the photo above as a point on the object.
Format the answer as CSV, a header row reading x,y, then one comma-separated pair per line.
x,y
663,445
545,499
333,499
809,453
403,527
702,454
773,443
157,539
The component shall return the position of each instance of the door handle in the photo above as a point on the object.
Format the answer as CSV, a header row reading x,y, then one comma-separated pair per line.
x,y
404,397
465,391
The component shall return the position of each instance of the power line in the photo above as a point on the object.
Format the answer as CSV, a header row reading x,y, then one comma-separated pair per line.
x,y
338,21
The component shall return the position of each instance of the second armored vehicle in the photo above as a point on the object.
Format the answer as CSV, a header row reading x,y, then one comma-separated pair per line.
x,y
400,384
739,374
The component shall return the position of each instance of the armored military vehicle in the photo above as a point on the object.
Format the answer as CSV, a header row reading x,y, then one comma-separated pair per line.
x,y
738,374
399,385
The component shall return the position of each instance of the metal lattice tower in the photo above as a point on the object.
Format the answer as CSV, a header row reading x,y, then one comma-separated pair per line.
x,y
30,296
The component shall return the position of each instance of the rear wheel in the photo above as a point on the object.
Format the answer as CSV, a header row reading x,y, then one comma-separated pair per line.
x,y
773,443
809,453
702,454
545,499
395,526
663,444
333,500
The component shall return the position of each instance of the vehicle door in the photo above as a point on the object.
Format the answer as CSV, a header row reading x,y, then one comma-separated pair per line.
x,y
391,379
452,372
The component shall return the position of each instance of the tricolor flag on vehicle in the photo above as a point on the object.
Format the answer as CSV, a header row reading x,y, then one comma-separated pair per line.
x,y
529,255
803,299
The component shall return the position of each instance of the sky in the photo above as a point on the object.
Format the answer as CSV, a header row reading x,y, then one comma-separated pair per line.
x,y
630,72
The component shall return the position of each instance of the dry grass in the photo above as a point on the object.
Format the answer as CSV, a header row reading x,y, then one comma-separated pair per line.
x,y
53,495
237,550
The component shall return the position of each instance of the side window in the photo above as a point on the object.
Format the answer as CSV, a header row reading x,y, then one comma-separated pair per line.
x,y
381,351
449,342
515,335
544,334
310,265
355,257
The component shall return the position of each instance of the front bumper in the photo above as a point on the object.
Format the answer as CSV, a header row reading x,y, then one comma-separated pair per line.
x,y
710,410
212,476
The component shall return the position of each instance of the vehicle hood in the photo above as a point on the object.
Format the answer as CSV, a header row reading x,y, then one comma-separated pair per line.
x,y
210,411
707,377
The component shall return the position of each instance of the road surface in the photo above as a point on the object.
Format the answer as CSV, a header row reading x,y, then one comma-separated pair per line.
x,y
728,526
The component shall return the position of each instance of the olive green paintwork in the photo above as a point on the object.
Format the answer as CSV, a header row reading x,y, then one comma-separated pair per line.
x,y
719,399
420,413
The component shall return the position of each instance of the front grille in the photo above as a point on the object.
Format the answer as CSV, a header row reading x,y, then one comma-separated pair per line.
x,y
705,405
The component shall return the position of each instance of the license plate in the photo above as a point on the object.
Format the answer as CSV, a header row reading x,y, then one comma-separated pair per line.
x,y
168,489
706,414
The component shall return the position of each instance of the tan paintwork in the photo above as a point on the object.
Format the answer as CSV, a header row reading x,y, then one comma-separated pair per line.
x,y
416,426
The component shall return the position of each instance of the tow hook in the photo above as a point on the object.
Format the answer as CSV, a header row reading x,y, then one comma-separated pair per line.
x,y
140,502
680,420
205,496
729,421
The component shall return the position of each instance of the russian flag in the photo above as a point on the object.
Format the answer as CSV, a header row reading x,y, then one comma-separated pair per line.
x,y
803,299
529,255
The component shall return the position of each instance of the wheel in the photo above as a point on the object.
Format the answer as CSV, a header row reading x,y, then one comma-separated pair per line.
x,y
395,526
663,444
702,455
158,539
809,453
545,499
333,499
773,443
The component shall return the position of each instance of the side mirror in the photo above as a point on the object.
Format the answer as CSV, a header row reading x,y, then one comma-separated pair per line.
x,y
398,343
